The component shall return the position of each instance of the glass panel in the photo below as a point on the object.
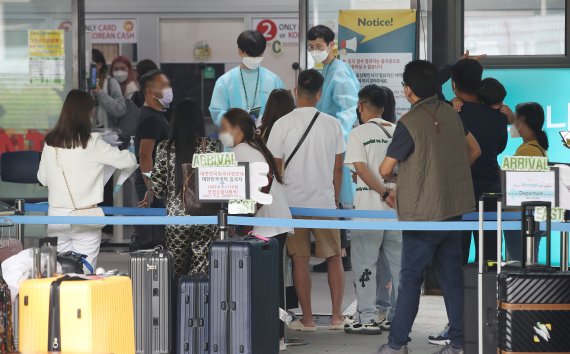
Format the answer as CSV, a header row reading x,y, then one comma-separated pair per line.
x,y
35,75
515,27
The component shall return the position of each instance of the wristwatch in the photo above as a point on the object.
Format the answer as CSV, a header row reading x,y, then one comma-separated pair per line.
x,y
385,195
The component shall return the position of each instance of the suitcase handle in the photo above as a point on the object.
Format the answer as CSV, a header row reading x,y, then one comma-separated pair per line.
x,y
528,222
499,198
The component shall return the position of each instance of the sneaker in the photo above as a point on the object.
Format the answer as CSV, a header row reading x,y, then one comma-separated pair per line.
x,y
385,325
370,328
282,345
448,349
441,338
386,349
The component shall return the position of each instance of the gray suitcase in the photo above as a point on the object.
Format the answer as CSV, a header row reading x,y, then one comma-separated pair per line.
x,y
192,315
153,299
244,297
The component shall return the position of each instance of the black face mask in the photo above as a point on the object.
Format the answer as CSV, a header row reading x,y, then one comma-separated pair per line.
x,y
359,117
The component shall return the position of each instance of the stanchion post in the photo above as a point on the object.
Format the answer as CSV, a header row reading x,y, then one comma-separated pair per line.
x,y
20,210
564,251
223,223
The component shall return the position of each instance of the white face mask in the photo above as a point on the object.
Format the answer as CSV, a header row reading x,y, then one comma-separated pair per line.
x,y
252,63
319,55
121,75
167,97
227,139
514,132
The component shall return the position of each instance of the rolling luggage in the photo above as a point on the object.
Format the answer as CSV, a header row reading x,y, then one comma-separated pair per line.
x,y
480,284
153,297
76,315
534,301
192,315
244,298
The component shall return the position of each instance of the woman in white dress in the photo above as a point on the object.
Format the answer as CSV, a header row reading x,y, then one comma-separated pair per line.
x,y
238,133
71,167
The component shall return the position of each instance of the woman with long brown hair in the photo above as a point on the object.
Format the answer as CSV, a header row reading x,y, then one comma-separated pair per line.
x,y
238,133
279,103
71,167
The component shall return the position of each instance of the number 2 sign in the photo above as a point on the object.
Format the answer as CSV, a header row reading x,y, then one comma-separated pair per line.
x,y
268,28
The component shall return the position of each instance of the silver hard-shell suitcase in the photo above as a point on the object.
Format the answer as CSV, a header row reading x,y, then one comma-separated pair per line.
x,y
153,298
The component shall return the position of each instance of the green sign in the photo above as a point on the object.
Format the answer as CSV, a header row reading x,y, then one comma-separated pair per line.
x,y
556,214
209,73
220,159
525,163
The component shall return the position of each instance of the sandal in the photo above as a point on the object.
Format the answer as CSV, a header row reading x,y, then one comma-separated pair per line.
x,y
340,326
297,325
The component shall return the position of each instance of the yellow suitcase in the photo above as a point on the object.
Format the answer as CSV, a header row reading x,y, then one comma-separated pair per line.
x,y
96,316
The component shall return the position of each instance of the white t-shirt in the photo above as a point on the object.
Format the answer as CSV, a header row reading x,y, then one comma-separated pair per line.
x,y
368,143
309,176
279,208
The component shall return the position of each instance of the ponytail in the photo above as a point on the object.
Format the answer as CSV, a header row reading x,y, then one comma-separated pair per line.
x,y
542,139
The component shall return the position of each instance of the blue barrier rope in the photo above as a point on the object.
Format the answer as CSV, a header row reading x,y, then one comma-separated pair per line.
x,y
299,223
323,213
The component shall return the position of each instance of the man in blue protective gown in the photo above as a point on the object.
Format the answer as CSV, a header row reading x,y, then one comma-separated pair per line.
x,y
339,99
247,86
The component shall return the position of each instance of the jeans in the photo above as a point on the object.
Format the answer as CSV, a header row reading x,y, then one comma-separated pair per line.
x,y
418,250
367,246
386,297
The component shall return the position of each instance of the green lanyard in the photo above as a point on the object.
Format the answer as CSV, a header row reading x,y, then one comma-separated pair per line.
x,y
245,90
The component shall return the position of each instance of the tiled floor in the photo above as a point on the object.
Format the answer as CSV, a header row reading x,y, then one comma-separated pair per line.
x,y
431,318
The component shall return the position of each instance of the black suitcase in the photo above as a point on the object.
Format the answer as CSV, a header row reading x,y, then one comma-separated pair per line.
x,y
153,298
484,296
244,298
534,303
192,315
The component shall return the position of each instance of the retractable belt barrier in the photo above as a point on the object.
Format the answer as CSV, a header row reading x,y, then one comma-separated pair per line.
x,y
152,219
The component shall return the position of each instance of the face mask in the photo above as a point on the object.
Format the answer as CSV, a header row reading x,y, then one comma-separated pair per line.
x,y
227,139
514,132
252,63
319,55
120,75
167,97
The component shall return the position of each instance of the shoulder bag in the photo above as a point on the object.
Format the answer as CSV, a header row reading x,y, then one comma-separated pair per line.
x,y
93,210
302,139
382,127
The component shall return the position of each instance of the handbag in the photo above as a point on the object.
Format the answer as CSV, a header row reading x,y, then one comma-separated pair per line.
x,y
192,206
93,210
73,263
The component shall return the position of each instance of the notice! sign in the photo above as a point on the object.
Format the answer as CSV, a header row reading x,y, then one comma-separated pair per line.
x,y
112,30
222,183
285,30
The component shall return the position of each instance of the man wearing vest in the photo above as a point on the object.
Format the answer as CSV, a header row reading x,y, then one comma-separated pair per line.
x,y
433,152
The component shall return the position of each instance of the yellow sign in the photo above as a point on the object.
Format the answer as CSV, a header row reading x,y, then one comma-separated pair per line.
x,y
45,43
371,25
525,163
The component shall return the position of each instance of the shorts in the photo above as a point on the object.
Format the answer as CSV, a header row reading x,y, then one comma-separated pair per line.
x,y
327,241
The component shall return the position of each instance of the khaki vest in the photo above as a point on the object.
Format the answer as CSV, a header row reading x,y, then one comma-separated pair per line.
x,y
434,182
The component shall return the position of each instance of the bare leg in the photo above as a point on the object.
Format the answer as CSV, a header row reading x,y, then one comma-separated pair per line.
x,y
336,285
302,279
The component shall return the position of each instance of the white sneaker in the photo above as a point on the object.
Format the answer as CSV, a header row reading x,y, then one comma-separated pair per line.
x,y
441,338
282,345
371,328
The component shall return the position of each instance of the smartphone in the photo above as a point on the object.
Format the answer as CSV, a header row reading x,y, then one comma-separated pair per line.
x,y
92,76
565,138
